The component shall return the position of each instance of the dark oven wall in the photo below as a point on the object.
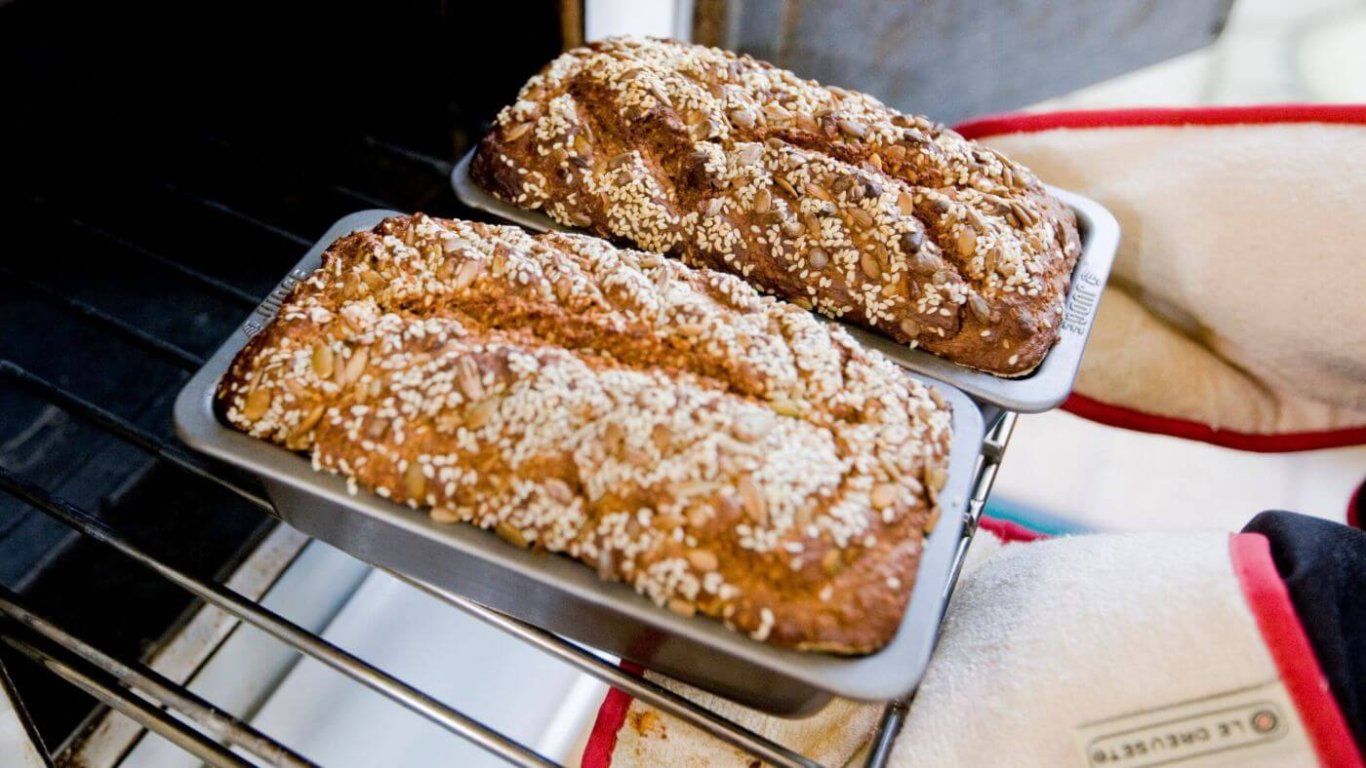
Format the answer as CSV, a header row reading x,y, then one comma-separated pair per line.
x,y
161,166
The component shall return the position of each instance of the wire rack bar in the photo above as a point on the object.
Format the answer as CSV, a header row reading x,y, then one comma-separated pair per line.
x,y
119,698
214,721
282,629
160,347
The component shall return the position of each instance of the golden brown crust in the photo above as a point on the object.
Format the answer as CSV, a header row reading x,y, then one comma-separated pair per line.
x,y
819,195
723,452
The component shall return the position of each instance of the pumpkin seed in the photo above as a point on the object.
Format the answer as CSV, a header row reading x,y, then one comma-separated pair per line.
x,y
883,495
558,490
355,365
905,203
483,412
870,266
752,500
763,201
414,482
967,241
258,402
979,308
831,562
323,360
752,427
465,274
509,533
703,560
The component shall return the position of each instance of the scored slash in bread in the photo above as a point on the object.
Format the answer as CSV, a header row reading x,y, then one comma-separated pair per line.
x,y
822,196
722,452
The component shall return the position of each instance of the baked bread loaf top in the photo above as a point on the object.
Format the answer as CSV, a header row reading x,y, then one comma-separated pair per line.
x,y
822,196
723,452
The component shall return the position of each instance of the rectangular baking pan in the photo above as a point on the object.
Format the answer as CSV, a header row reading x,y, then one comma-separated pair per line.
x,y
1043,389
562,595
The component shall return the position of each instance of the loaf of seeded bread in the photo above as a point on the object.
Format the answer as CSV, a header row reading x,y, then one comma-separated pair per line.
x,y
722,452
818,195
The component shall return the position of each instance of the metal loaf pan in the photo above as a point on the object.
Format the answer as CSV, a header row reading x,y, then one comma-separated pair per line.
x,y
1042,389
562,595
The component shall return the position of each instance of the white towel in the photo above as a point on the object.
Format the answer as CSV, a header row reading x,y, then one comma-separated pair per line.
x,y
1106,650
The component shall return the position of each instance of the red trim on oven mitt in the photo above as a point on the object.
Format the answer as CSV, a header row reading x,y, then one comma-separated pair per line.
x,y
1058,652
1230,316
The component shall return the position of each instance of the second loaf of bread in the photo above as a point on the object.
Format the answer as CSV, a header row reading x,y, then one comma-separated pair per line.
x,y
819,195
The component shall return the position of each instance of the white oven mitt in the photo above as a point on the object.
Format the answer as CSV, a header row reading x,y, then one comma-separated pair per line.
x,y
1104,650
1235,312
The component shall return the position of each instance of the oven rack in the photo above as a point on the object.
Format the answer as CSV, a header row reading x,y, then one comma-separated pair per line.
x,y
149,698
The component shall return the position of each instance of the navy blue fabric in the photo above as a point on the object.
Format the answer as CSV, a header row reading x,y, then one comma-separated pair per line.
x,y
1323,565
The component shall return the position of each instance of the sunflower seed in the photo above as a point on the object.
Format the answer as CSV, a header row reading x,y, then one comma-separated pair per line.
x,y
910,242
910,327
817,258
682,606
793,228
750,154
924,263
852,127
816,190
743,118
752,500
470,379
786,186
465,275
517,131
